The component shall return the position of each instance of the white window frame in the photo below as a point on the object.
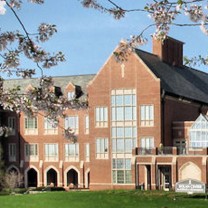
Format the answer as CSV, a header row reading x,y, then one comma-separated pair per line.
x,y
71,152
12,152
28,129
147,115
71,95
121,168
198,133
12,125
147,142
50,127
48,156
101,117
102,148
72,122
31,152
87,152
87,124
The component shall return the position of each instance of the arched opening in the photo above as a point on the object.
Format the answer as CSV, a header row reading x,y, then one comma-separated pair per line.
x,y
72,177
12,169
32,178
13,177
190,170
52,177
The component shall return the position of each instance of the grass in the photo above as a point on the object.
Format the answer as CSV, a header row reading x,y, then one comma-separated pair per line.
x,y
104,199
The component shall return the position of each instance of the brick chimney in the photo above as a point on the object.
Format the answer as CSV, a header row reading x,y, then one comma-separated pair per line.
x,y
169,51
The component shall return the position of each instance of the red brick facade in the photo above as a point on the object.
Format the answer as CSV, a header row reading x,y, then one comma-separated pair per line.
x,y
142,117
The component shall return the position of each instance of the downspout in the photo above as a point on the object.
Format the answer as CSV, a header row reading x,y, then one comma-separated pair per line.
x,y
19,139
162,116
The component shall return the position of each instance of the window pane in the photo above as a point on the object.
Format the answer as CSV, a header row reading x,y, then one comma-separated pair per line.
x,y
128,132
113,100
120,176
128,145
120,132
127,100
120,163
120,145
128,164
114,145
119,114
119,100
128,113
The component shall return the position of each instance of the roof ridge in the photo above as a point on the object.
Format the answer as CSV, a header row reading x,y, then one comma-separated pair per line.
x,y
63,76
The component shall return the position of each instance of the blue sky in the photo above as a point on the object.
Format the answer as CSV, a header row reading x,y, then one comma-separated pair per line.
x,y
88,37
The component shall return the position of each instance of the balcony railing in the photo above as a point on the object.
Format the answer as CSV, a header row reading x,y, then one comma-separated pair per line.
x,y
165,151
172,151
145,151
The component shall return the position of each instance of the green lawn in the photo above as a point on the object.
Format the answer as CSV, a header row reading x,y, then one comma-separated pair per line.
x,y
104,199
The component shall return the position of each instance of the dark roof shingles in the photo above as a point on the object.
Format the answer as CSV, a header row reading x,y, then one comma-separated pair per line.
x,y
181,81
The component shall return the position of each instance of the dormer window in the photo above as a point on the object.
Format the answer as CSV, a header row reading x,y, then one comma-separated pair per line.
x,y
71,95
73,91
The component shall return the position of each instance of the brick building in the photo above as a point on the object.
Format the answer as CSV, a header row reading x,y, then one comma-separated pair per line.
x,y
145,124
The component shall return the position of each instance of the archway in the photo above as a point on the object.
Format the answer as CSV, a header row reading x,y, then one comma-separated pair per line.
x,y
190,170
51,177
32,178
72,177
13,168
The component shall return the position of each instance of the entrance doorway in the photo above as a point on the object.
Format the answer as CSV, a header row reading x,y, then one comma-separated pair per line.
x,y
72,178
164,177
52,177
181,146
32,178
148,177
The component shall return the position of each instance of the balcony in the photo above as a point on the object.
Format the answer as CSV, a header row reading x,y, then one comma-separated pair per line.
x,y
168,150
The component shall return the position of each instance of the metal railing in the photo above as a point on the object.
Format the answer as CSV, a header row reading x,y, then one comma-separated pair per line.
x,y
145,151
171,150
165,151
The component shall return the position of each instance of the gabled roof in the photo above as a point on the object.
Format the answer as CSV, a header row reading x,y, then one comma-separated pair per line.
x,y
200,123
182,82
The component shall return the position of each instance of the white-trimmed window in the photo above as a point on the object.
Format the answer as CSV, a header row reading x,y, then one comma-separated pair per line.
x,y
72,152
122,171
31,126
87,152
71,95
12,152
51,152
147,142
123,139
31,152
102,148
123,104
123,133
101,117
86,124
12,125
72,122
50,127
147,115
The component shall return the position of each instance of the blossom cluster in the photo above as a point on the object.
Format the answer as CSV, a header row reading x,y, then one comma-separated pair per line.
x,y
44,98
2,7
116,11
163,13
